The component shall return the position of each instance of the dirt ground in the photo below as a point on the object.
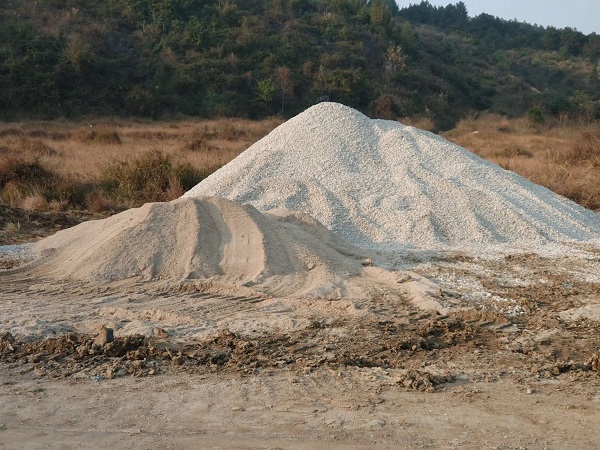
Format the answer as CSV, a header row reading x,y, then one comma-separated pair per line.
x,y
508,359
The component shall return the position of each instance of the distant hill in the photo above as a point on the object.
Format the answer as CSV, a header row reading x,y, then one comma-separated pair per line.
x,y
254,58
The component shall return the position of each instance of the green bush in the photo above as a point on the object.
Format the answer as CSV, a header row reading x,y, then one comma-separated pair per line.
x,y
536,116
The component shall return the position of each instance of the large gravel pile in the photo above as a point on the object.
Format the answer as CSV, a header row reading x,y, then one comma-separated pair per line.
x,y
383,185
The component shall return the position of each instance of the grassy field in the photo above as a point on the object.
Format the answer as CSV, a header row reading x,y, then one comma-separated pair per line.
x,y
112,165
563,156
61,169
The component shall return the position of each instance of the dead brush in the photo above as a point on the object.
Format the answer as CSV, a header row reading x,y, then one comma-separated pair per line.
x,y
35,147
230,132
578,183
150,135
106,136
22,170
19,177
199,141
43,134
98,201
152,177
35,202
11,132
586,150
565,158
26,183
513,151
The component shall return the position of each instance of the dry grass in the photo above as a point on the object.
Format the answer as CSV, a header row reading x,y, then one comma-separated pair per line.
x,y
563,156
424,123
109,165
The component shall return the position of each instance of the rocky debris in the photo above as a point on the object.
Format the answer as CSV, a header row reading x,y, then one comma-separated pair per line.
x,y
420,350
423,381
105,336
6,342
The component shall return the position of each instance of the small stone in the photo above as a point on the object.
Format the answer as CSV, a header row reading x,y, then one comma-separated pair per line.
x,y
138,364
34,358
105,336
178,361
529,391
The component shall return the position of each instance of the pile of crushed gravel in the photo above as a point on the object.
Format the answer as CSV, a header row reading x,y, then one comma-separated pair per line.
x,y
383,185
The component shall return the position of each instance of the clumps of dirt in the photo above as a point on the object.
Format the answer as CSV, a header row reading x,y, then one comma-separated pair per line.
x,y
7,342
575,371
415,350
423,381
71,353
78,355
10,263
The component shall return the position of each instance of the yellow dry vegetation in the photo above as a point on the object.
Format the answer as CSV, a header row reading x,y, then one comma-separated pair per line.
x,y
563,156
61,164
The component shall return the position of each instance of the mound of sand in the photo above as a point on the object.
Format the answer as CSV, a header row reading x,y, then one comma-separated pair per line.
x,y
383,185
204,238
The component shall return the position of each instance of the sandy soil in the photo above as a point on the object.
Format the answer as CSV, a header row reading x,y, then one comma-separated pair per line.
x,y
508,360
349,408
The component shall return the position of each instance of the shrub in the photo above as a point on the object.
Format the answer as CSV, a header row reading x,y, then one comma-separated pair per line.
x,y
97,201
585,150
34,202
536,116
228,131
105,136
22,170
36,147
152,177
199,140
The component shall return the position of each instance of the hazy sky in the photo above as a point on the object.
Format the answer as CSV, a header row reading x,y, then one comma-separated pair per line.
x,y
581,14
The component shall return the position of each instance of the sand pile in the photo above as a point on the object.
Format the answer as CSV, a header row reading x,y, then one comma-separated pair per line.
x,y
204,238
383,185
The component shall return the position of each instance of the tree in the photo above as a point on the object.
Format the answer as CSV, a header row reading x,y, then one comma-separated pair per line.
x,y
283,75
79,53
395,61
594,74
265,88
380,12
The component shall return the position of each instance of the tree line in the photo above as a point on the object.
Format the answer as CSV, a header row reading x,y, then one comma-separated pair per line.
x,y
254,58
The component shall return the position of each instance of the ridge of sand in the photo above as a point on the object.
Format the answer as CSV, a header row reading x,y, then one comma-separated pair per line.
x,y
380,184
206,238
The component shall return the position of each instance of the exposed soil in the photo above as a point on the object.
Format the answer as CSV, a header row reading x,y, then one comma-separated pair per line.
x,y
507,365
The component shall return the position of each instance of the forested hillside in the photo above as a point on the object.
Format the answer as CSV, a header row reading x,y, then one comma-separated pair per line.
x,y
254,58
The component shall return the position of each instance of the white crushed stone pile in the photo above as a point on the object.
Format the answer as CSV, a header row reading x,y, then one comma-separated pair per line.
x,y
383,185
204,238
